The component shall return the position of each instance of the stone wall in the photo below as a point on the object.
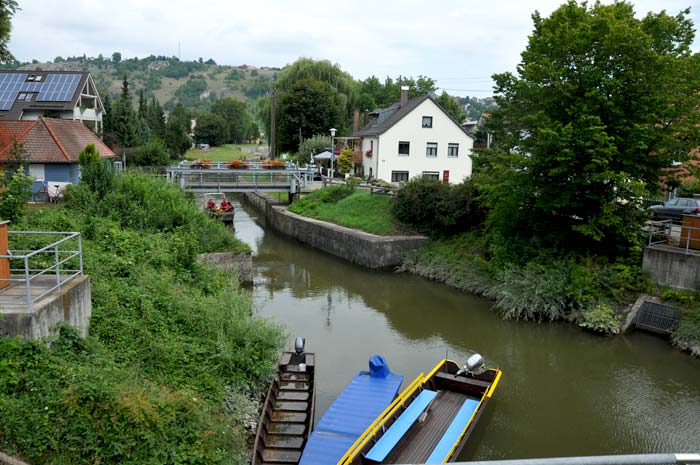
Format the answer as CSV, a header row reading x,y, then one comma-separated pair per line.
x,y
241,263
71,305
671,266
361,248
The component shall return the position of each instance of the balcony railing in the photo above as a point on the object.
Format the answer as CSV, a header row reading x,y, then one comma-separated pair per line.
x,y
37,272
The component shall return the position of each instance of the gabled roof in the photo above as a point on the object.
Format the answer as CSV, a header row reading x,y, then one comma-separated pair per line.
x,y
49,140
387,117
56,90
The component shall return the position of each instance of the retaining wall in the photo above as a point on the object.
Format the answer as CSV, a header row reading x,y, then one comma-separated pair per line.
x,y
71,305
241,263
361,248
672,267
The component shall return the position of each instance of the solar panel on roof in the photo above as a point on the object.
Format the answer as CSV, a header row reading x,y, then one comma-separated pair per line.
x,y
9,88
58,87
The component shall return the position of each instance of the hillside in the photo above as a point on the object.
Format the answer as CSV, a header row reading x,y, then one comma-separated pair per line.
x,y
194,83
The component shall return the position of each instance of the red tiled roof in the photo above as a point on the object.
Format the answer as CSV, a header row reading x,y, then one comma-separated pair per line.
x,y
50,140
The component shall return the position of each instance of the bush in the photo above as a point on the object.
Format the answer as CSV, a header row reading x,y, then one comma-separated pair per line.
x,y
436,208
313,145
14,194
601,318
153,153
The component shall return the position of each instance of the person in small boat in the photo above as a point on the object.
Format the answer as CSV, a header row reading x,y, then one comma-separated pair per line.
x,y
226,206
211,205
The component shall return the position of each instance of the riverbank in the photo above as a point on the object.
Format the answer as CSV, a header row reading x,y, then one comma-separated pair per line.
x,y
175,362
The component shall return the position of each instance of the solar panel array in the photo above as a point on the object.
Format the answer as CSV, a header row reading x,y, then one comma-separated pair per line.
x,y
56,88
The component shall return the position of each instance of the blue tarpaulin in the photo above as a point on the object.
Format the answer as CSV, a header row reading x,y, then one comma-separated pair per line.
x,y
367,395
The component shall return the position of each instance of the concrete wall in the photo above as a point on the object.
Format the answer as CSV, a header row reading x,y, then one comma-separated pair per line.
x,y
357,247
241,263
72,305
672,267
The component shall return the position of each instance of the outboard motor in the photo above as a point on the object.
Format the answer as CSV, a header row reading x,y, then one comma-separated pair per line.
x,y
474,366
299,343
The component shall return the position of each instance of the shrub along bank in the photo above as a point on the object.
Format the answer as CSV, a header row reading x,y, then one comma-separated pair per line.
x,y
174,361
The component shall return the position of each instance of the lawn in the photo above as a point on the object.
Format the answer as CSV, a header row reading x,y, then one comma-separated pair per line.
x,y
225,152
358,210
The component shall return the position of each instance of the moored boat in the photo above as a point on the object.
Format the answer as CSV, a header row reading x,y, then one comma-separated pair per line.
x,y
287,416
431,420
219,207
366,398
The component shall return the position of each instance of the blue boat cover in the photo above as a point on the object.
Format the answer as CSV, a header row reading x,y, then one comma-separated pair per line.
x,y
367,395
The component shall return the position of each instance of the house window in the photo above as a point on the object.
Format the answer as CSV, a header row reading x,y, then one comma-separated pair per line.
x,y
431,149
34,77
452,150
24,96
431,175
404,148
399,176
427,121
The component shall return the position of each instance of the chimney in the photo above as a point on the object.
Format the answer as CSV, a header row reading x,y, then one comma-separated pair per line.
x,y
366,117
404,96
356,120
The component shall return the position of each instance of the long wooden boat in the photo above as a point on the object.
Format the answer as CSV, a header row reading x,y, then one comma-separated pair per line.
x,y
431,420
287,416
367,396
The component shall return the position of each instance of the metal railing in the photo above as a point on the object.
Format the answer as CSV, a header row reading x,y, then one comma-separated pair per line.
x,y
52,265
665,233
636,459
219,178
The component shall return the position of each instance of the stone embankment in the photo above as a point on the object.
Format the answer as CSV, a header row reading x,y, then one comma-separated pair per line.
x,y
240,263
358,247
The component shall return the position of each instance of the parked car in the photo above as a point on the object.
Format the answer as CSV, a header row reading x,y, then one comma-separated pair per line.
x,y
674,209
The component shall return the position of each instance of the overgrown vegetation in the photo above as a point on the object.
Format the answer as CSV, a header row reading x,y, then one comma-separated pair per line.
x,y
174,361
686,336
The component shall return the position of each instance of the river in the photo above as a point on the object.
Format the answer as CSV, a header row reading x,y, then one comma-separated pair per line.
x,y
564,391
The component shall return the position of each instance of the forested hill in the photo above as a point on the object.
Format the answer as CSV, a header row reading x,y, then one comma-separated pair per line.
x,y
196,84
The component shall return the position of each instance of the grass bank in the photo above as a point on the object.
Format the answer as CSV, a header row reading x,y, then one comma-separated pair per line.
x,y
587,292
226,152
175,361
353,208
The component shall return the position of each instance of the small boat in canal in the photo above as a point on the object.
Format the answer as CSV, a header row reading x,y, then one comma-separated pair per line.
x,y
431,420
287,416
219,207
366,397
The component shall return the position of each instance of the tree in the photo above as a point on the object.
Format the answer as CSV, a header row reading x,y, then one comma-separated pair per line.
x,y
210,129
88,156
309,107
152,153
14,194
236,116
116,57
125,124
8,8
16,156
312,146
345,161
156,119
95,173
452,107
601,102
177,130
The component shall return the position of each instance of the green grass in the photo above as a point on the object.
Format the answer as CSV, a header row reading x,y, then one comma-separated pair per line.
x,y
225,152
359,210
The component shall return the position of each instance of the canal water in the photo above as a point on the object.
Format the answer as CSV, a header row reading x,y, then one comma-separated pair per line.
x,y
564,391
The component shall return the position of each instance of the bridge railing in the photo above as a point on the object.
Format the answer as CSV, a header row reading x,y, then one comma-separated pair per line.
x,y
667,234
252,179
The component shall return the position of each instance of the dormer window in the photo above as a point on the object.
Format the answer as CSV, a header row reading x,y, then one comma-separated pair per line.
x,y
26,96
34,78
427,121
373,120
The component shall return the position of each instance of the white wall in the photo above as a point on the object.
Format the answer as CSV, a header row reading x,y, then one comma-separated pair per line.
x,y
367,163
444,131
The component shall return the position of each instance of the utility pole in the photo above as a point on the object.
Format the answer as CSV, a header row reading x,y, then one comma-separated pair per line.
x,y
273,150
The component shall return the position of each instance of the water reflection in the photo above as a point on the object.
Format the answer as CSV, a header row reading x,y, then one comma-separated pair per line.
x,y
564,391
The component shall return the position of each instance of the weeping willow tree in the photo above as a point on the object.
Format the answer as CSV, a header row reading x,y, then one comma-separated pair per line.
x,y
339,83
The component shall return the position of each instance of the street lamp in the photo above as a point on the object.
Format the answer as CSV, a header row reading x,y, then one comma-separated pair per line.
x,y
332,150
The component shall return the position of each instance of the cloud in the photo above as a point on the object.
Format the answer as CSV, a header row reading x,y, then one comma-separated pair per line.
x,y
459,43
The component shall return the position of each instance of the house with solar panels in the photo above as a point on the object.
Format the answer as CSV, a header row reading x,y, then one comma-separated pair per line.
x,y
71,95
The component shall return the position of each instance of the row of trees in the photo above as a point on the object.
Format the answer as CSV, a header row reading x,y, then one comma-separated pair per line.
x,y
228,122
313,96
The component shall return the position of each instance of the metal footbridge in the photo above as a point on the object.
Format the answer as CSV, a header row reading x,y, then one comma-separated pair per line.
x,y
256,177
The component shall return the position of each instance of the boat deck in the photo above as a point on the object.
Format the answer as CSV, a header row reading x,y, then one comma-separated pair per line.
x,y
421,439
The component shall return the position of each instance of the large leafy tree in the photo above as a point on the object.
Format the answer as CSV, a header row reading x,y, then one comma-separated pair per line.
x,y
309,107
452,107
601,102
237,118
211,129
8,8
177,130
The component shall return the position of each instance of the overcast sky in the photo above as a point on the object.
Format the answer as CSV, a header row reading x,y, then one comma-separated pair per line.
x,y
458,43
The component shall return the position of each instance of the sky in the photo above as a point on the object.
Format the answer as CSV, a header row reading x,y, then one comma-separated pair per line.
x,y
459,43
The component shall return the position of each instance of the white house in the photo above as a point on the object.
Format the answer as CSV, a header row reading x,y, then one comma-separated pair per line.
x,y
413,138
